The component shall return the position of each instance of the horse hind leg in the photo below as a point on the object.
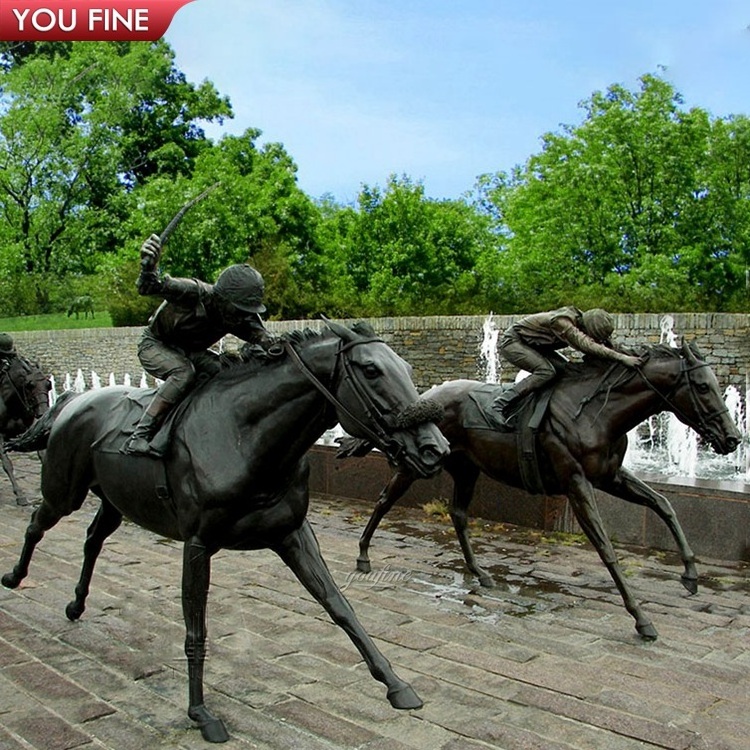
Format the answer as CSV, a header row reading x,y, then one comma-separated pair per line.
x,y
8,467
105,523
300,551
42,520
465,475
398,484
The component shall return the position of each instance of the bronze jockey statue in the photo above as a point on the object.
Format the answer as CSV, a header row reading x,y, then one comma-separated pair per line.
x,y
532,343
193,316
7,350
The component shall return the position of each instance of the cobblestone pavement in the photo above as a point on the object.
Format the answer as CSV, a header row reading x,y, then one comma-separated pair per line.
x,y
548,660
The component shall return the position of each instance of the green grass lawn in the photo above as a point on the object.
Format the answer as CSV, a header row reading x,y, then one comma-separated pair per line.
x,y
54,322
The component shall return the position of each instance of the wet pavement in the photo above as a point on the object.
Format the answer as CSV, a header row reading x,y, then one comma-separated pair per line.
x,y
547,660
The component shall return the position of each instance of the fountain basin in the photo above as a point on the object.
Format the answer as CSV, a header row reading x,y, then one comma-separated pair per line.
x,y
715,514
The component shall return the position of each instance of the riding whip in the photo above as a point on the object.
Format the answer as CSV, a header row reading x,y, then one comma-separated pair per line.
x,y
176,219
178,216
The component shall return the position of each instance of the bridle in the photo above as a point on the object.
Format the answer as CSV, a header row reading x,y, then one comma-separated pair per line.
x,y
703,420
383,425
27,405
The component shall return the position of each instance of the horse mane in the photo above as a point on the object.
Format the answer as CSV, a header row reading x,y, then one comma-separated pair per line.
x,y
253,359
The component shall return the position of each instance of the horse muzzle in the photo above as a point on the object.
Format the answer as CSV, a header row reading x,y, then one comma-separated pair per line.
x,y
726,444
420,449
722,434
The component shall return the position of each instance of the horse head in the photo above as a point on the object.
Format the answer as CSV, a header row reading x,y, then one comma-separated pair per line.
x,y
375,399
26,385
688,386
37,389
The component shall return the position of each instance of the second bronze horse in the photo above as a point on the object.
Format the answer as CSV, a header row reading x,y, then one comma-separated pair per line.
x,y
581,446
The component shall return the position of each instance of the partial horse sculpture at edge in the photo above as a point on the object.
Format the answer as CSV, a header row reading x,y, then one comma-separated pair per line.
x,y
581,443
24,397
236,475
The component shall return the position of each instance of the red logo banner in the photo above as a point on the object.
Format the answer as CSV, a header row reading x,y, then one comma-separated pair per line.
x,y
86,20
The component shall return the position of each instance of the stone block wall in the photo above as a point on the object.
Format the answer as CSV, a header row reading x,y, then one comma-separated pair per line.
x,y
438,348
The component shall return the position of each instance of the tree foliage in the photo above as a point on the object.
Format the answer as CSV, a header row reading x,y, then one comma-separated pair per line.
x,y
641,207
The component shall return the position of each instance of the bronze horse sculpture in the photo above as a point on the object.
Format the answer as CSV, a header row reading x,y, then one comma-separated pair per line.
x,y
24,397
235,474
84,304
581,443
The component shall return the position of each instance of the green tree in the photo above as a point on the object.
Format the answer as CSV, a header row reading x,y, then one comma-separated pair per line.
x,y
80,126
632,209
402,253
257,214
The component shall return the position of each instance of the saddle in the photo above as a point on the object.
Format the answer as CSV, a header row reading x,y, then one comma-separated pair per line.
x,y
524,421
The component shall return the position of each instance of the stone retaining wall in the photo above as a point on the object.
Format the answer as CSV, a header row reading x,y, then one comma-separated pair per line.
x,y
438,348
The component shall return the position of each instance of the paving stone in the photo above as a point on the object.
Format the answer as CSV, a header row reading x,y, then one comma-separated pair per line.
x,y
548,659
42,729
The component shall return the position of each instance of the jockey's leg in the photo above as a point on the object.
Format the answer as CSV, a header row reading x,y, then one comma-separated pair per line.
x,y
525,357
178,373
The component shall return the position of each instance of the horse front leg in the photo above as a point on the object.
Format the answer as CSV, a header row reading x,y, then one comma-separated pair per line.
x,y
465,476
628,487
105,523
8,467
300,551
391,493
583,502
196,578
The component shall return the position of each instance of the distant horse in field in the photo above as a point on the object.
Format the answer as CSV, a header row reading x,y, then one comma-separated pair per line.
x,y
235,475
24,396
84,304
580,445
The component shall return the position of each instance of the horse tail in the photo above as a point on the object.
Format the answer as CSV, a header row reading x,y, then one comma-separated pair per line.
x,y
35,438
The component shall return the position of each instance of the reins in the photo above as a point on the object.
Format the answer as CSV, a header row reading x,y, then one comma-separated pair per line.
x,y
685,370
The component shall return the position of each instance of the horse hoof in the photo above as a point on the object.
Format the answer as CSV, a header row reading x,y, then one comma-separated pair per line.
x,y
74,611
691,584
647,632
212,729
404,698
363,566
11,581
486,581
22,502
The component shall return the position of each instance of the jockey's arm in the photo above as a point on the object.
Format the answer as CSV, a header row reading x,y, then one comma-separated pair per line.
x,y
252,331
183,291
150,282
576,338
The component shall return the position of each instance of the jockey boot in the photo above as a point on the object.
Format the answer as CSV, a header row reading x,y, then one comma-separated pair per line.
x,y
507,398
139,443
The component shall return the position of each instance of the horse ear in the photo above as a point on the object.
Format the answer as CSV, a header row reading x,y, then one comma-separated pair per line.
x,y
344,333
696,351
690,351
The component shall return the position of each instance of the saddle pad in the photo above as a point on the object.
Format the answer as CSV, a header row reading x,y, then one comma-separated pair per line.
x,y
123,418
126,415
524,421
478,413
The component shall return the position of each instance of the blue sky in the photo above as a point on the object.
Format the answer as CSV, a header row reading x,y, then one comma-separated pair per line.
x,y
444,90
